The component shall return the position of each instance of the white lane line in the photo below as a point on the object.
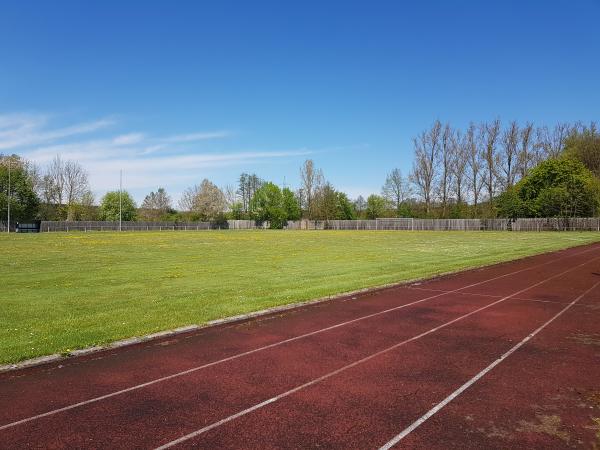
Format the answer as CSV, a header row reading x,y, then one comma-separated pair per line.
x,y
355,363
539,300
462,293
266,347
473,380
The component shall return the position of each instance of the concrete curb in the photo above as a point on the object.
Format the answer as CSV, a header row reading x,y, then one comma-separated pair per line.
x,y
150,337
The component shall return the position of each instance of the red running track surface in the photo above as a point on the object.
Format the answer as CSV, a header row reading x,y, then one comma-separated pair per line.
x,y
506,356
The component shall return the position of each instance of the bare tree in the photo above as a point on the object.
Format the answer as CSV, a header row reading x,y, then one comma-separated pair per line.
x,y
490,157
312,179
551,143
231,195
527,157
444,161
459,162
156,204
54,181
396,189
307,176
75,182
473,141
509,142
423,172
65,184
186,202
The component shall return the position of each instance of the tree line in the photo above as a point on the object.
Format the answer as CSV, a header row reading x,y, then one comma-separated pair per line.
x,y
462,172
485,170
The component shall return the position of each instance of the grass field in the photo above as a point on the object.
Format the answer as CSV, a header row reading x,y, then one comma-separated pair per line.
x,y
61,292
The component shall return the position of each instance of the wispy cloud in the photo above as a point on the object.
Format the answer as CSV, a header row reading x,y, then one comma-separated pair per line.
x,y
147,160
192,137
22,130
128,139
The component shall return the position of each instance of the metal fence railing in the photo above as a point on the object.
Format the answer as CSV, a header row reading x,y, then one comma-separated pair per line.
x,y
400,224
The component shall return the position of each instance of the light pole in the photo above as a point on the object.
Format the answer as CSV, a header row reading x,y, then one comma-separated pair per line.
x,y
120,198
8,199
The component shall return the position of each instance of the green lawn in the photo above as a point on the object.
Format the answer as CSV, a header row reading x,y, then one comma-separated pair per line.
x,y
60,291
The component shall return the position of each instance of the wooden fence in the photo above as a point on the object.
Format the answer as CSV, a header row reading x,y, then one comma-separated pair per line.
x,y
557,224
406,224
400,224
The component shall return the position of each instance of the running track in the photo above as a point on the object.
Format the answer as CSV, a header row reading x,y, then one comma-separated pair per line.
x,y
503,357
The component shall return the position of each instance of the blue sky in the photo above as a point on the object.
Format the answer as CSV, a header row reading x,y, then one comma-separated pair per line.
x,y
173,92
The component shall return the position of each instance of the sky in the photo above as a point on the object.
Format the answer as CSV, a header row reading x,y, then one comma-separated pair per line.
x,y
174,92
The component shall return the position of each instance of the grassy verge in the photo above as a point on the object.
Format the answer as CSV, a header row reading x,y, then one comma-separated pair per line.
x,y
60,292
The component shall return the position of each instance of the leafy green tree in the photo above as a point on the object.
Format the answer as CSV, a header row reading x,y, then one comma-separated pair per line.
x,y
584,145
84,209
291,205
109,206
376,206
345,207
511,205
23,199
237,211
267,205
561,187
325,203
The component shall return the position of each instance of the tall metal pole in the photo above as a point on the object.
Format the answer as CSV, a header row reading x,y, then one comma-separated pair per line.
x,y
8,198
120,198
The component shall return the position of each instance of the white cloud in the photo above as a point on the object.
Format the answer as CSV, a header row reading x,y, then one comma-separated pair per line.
x,y
192,137
22,130
172,161
128,139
